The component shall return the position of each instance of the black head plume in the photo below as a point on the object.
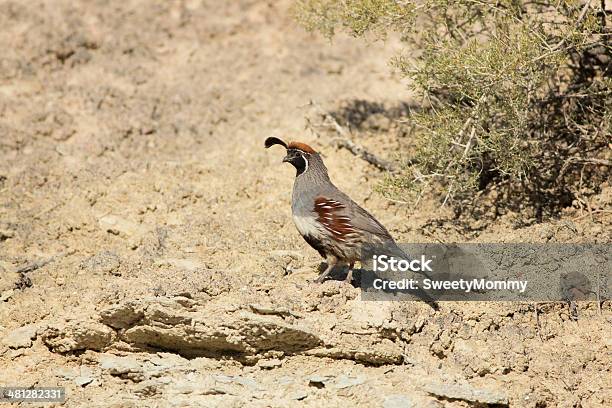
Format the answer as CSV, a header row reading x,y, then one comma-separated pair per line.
x,y
271,141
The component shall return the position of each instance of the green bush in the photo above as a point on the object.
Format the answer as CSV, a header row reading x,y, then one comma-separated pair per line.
x,y
517,95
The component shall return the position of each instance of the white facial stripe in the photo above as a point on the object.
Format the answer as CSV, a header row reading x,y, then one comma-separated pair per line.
x,y
305,161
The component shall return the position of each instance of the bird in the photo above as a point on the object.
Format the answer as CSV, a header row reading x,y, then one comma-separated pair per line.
x,y
328,219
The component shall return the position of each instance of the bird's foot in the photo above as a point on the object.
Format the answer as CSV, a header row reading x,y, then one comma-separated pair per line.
x,y
324,274
349,277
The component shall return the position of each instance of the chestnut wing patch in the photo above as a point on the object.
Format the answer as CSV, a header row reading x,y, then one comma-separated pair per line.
x,y
331,215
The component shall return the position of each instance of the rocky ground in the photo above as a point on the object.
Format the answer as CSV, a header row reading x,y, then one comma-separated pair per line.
x,y
147,254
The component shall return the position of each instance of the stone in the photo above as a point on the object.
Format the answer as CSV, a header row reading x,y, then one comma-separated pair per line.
x,y
77,335
247,382
86,371
6,234
13,354
223,379
257,334
466,392
120,365
6,295
380,354
167,361
21,337
169,325
184,387
318,381
147,388
67,373
122,316
82,381
298,395
398,401
270,310
346,381
269,364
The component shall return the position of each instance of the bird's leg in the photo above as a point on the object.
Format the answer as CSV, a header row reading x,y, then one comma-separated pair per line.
x,y
331,262
349,275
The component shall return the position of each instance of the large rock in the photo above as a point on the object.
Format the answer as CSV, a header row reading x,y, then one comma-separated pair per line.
x,y
78,335
180,325
250,332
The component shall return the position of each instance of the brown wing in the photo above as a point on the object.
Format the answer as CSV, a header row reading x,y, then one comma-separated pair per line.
x,y
332,215
364,221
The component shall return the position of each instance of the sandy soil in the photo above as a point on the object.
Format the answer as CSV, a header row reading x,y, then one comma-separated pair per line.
x,y
166,268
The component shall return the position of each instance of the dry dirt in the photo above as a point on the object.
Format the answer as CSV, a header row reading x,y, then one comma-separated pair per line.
x,y
165,268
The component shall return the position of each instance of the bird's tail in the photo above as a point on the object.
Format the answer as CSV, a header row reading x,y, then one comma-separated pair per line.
x,y
401,254
391,249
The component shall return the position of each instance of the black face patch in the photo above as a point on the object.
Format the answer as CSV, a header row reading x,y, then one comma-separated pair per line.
x,y
297,159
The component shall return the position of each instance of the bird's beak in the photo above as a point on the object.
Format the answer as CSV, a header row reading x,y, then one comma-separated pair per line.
x,y
287,158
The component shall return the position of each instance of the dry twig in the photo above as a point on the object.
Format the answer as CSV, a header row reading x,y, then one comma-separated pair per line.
x,y
537,317
39,264
345,142
362,153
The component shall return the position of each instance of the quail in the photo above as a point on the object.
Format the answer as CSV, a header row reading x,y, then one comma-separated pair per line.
x,y
328,219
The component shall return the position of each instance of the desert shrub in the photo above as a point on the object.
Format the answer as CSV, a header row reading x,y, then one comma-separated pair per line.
x,y
517,96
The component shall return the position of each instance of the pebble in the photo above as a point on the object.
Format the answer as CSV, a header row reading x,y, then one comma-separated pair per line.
x,y
318,381
346,382
82,381
66,373
21,337
269,364
120,365
6,295
6,234
298,395
397,401
247,382
467,393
